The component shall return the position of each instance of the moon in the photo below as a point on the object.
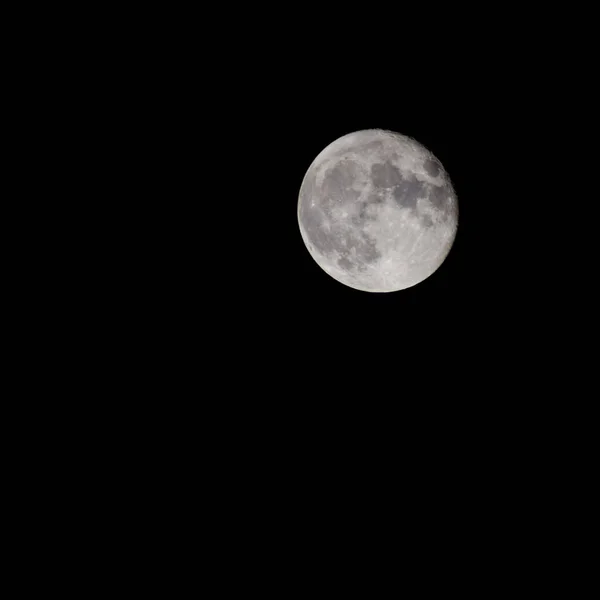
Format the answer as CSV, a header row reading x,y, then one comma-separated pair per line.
x,y
377,211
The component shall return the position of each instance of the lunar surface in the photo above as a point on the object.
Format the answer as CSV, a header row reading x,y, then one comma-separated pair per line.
x,y
377,211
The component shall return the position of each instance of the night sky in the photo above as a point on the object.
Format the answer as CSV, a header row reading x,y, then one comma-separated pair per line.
x,y
238,368
236,290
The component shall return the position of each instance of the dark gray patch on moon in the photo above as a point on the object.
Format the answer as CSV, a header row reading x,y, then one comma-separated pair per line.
x,y
432,167
338,181
407,192
438,196
344,263
385,175
426,221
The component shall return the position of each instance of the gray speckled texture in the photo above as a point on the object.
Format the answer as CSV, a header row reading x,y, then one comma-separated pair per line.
x,y
377,211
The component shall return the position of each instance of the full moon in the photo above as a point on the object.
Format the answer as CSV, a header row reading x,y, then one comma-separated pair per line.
x,y
377,211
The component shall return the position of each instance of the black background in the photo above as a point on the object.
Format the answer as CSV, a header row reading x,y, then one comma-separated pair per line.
x,y
248,121
276,375
226,361
186,368
227,299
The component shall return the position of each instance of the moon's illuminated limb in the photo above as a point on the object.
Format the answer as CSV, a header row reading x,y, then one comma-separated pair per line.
x,y
377,211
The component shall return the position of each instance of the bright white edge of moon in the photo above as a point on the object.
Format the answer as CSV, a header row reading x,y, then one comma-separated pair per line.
x,y
377,211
